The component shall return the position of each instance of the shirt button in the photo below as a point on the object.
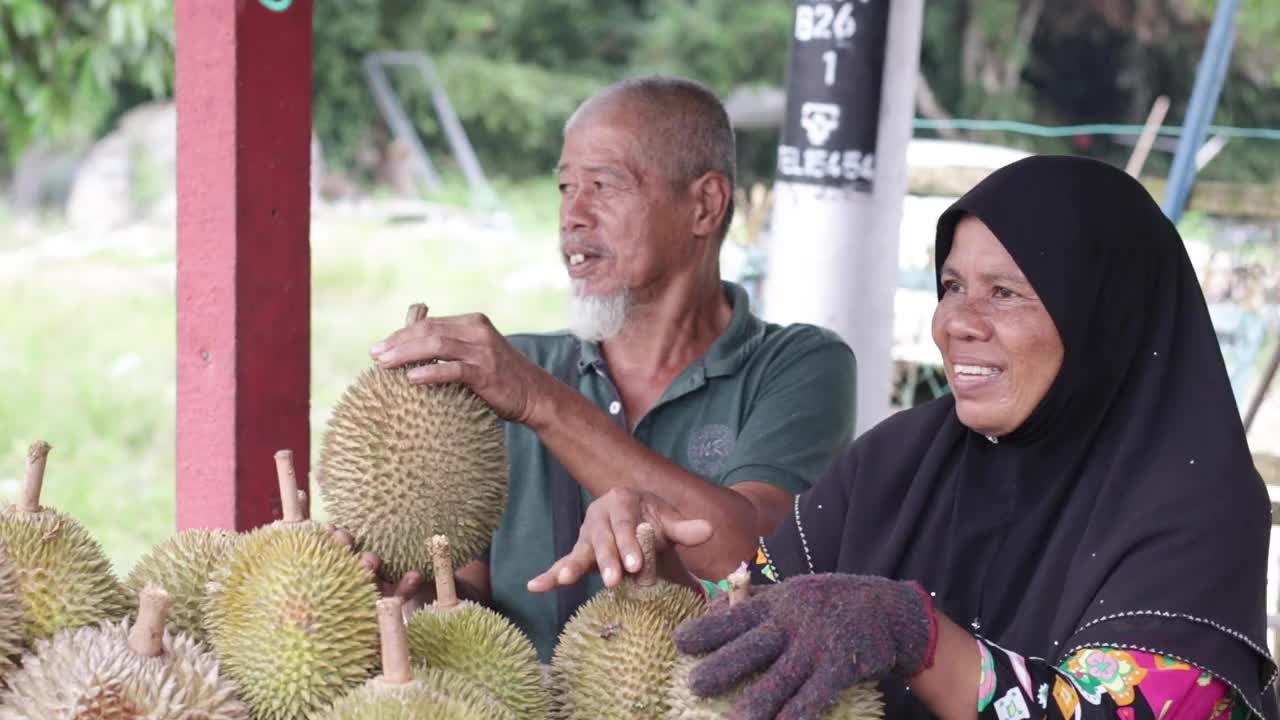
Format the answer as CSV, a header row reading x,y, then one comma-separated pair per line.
x,y
615,407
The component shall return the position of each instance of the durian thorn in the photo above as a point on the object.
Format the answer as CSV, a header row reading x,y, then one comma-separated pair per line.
x,y
396,668
442,568
739,585
146,637
417,313
37,455
290,503
649,570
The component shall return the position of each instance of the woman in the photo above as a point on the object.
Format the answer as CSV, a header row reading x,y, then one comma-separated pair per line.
x,y
1077,531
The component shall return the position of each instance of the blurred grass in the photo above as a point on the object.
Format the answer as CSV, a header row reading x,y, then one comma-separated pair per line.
x,y
87,343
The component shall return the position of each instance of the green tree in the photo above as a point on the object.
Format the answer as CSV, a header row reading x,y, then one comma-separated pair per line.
x,y
63,64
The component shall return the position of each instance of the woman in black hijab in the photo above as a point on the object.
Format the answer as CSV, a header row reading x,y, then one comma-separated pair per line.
x,y
1084,502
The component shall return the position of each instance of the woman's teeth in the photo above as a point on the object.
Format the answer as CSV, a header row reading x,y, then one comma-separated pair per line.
x,y
975,370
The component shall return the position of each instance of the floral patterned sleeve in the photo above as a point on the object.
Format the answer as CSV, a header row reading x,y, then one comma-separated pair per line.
x,y
1099,683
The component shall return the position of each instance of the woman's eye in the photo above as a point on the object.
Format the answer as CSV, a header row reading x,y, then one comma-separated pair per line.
x,y
950,286
1002,293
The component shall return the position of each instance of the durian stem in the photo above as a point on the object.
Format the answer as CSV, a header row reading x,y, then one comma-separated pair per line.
x,y
417,313
396,668
37,455
442,568
739,585
292,499
649,571
146,637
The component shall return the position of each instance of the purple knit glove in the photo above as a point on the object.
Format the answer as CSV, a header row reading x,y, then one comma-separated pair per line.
x,y
811,636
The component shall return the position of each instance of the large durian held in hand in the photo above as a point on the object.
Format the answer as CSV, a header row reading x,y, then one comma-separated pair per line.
x,y
111,671
183,565
614,657
65,580
403,693
862,701
400,463
291,615
478,643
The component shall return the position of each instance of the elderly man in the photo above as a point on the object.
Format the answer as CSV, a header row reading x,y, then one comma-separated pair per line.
x,y
664,382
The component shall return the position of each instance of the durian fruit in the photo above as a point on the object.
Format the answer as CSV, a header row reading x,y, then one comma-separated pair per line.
x,y
291,615
400,463
183,565
862,701
111,671
615,655
478,643
404,693
11,623
65,580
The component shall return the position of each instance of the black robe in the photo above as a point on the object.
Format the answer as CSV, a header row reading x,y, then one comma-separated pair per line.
x,y
1125,512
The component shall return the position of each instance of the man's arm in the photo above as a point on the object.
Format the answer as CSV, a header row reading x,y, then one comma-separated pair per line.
x,y
602,456
802,417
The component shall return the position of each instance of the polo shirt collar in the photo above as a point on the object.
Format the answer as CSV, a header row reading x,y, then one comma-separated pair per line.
x,y
725,356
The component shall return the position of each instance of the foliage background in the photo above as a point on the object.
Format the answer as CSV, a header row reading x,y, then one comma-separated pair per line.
x,y
514,69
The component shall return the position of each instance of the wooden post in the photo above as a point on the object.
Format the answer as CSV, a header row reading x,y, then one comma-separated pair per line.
x,y
244,129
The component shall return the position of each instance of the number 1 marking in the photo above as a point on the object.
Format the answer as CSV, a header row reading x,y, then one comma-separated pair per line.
x,y
829,57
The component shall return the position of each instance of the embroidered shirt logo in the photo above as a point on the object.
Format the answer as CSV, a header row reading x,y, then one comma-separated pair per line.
x,y
709,447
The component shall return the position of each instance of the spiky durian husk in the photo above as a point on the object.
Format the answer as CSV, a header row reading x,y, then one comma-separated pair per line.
x,y
862,701
182,565
11,623
482,645
91,674
436,694
64,578
291,617
615,655
400,463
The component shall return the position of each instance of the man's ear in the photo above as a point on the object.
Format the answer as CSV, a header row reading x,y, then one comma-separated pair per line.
x,y
711,196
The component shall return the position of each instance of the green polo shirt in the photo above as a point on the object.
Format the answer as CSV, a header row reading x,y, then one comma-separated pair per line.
x,y
766,403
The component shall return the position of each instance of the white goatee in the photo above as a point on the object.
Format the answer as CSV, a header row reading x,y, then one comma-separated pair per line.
x,y
596,318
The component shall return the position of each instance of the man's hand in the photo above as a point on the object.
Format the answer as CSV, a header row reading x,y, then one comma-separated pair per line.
x,y
408,588
473,353
607,540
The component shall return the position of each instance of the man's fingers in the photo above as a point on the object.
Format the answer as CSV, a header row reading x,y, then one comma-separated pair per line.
x,y
453,371
628,546
425,349
606,555
708,632
344,538
566,570
409,585
689,533
371,562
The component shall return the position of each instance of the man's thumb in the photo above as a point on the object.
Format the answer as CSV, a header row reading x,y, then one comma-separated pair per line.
x,y
689,533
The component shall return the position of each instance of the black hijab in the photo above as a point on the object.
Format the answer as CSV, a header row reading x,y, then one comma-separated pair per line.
x,y
1125,512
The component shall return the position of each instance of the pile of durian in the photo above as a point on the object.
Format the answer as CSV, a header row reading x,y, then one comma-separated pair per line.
x,y
285,622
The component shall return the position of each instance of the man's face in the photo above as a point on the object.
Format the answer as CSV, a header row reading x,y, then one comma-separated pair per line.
x,y
622,228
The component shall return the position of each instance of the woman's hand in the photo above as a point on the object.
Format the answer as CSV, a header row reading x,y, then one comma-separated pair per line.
x,y
810,637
